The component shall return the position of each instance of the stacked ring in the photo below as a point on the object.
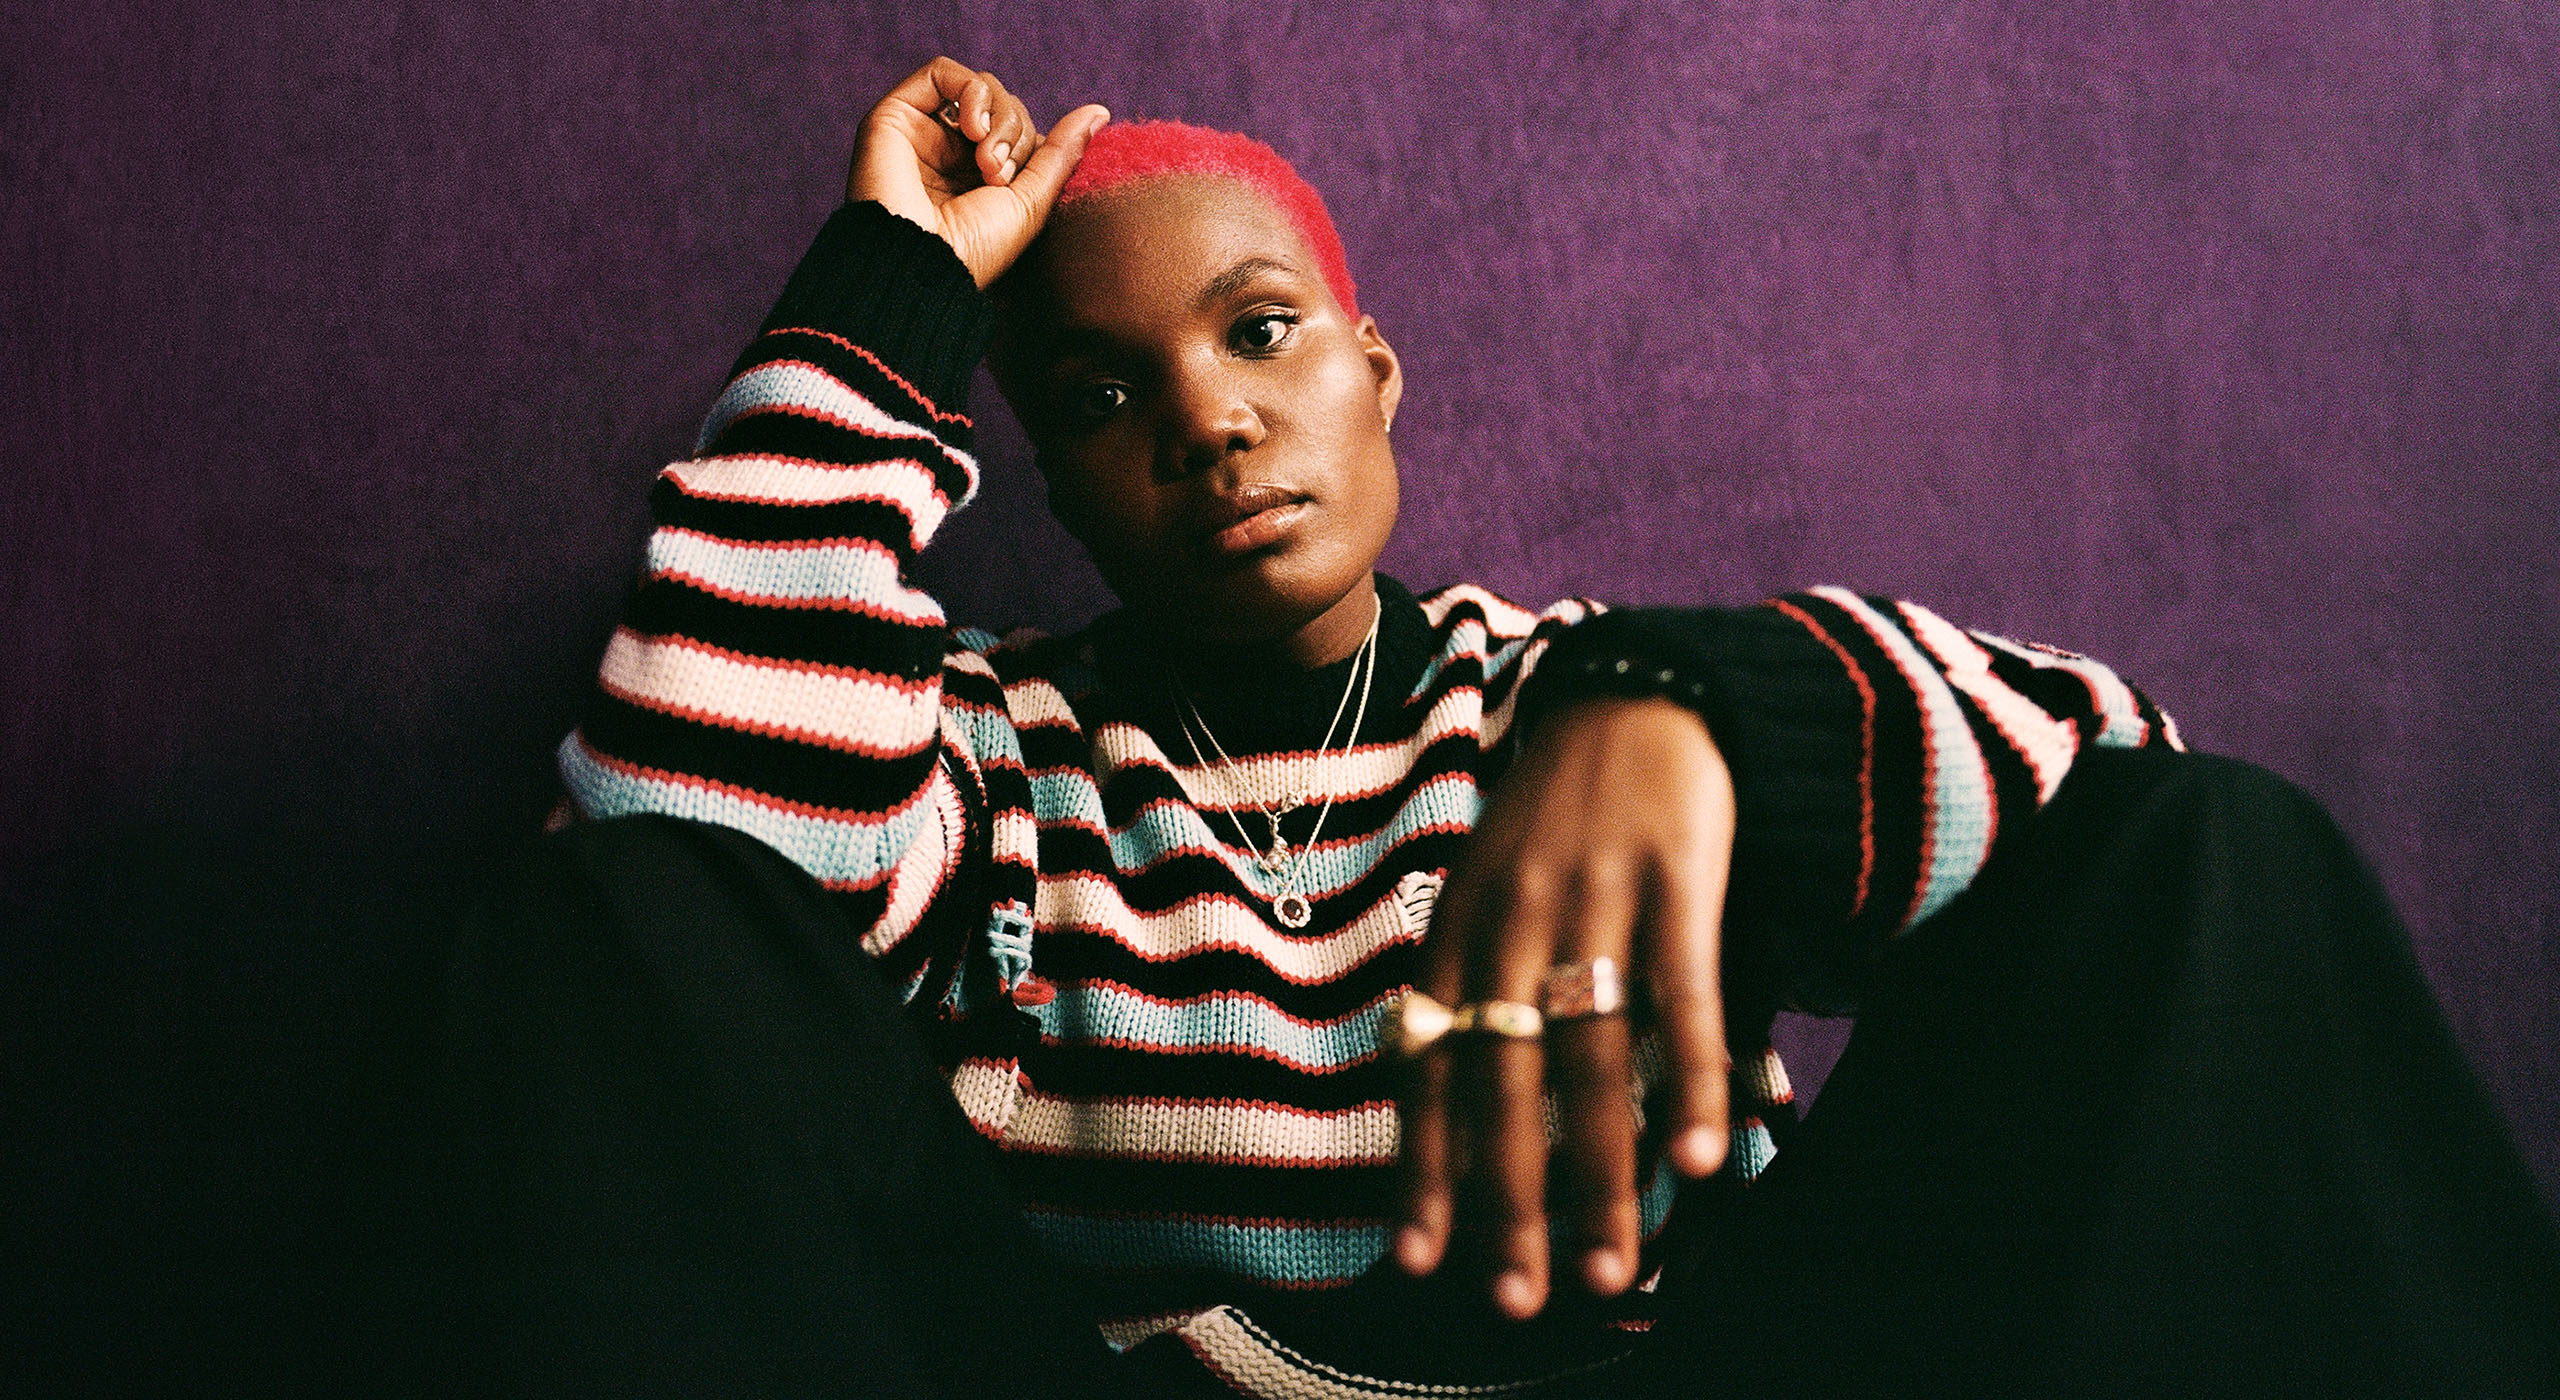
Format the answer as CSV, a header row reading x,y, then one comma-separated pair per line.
x,y
1570,991
1512,1020
1415,1022
1581,989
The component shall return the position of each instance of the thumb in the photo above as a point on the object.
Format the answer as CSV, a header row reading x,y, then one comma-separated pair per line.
x,y
1040,181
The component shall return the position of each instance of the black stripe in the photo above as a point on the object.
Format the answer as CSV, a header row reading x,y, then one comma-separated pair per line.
x,y
1075,955
781,768
818,636
777,433
1320,1196
757,522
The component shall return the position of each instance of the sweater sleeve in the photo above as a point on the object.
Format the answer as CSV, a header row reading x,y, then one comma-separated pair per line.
x,y
774,670
1878,753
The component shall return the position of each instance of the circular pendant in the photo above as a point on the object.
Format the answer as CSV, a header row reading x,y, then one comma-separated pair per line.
x,y
1293,910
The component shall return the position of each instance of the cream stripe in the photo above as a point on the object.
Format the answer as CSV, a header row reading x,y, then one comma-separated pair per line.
x,y
1501,614
1083,900
2048,744
906,484
839,711
1253,1362
1204,1131
2120,723
919,874
843,574
987,1091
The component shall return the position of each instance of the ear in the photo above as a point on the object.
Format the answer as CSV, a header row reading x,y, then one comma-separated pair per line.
x,y
1383,364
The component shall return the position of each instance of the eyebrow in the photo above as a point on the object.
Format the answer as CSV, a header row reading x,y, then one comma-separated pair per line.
x,y
1229,282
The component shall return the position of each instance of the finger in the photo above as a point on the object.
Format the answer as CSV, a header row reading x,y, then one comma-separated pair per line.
x,y
1682,980
1006,120
1502,1200
1422,1241
928,89
1589,1063
1428,1165
1589,1066
1502,1103
1047,168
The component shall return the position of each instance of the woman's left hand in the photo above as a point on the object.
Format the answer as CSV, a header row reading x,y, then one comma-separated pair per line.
x,y
1611,837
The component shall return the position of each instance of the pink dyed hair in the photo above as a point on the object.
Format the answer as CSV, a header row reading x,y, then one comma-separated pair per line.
x,y
1126,151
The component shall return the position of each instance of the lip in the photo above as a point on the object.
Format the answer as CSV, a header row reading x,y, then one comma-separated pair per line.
x,y
1251,517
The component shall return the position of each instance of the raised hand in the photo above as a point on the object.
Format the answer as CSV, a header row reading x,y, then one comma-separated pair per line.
x,y
1611,837
985,179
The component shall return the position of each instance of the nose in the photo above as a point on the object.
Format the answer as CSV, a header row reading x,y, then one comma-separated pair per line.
x,y
1208,418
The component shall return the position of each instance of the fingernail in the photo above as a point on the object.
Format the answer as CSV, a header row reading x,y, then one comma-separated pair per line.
x,y
1004,173
1605,1270
1700,1150
999,151
1413,1249
1515,1294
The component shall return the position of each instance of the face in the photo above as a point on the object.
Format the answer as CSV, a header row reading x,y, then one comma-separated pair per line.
x,y
1212,425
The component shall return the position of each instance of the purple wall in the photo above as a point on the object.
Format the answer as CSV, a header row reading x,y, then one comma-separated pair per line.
x,y
2218,341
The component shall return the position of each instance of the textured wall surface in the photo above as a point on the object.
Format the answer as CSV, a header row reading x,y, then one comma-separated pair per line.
x,y
2216,340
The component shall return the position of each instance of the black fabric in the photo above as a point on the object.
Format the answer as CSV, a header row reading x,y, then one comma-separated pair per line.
x,y
912,297
659,1129
2160,1106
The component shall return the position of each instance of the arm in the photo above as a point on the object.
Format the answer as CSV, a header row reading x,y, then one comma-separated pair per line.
x,y
1848,762
1878,753
775,672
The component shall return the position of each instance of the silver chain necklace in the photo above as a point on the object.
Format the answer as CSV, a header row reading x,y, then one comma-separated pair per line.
x,y
1290,906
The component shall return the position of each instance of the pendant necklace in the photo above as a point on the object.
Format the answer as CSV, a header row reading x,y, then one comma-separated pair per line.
x,y
1278,859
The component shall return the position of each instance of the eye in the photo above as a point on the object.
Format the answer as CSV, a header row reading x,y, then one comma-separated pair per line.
x,y
1094,402
1265,331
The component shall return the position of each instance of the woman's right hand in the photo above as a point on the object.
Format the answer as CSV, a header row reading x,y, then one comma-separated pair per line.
x,y
985,188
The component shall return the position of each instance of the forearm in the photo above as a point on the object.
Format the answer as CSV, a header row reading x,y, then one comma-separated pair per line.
x,y
775,672
1877,752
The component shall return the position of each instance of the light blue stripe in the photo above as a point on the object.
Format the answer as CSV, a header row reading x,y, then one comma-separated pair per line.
x,y
1060,797
799,386
1280,1254
830,850
1217,1021
1654,1202
822,573
989,734
1960,808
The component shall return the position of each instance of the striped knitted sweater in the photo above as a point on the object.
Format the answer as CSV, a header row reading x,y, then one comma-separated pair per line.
x,y
1191,1094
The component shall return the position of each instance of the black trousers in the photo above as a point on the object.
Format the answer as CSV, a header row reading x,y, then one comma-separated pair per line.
x,y
2161,1106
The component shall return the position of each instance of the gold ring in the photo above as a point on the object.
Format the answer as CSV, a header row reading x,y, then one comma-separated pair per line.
x,y
950,114
1579,989
1415,1022
1512,1020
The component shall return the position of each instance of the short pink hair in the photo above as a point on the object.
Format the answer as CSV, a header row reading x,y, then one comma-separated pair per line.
x,y
1126,151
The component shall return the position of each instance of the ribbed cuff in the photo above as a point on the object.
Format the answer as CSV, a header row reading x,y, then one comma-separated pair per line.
x,y
1788,721
896,290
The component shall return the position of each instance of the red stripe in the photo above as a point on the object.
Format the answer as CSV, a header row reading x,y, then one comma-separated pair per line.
x,y
881,365
1866,748
910,687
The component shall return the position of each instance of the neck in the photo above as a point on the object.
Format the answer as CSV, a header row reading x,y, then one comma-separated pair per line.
x,y
1331,636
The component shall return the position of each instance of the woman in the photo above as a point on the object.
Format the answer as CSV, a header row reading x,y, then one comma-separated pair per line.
x,y
1161,902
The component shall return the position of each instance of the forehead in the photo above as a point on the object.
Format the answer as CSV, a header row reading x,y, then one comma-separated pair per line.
x,y
1151,246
